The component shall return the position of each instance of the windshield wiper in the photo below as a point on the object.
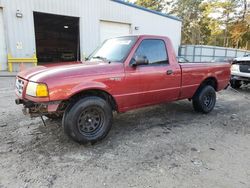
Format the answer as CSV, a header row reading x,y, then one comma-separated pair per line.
x,y
100,57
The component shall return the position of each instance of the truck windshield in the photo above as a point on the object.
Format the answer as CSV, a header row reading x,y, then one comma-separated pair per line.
x,y
114,50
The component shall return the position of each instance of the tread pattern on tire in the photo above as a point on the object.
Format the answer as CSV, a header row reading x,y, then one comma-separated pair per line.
x,y
197,101
69,119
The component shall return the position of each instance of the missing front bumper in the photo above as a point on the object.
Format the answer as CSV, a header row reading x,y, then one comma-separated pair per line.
x,y
40,109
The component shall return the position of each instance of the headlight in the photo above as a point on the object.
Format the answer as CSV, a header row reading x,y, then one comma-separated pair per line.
x,y
37,90
235,68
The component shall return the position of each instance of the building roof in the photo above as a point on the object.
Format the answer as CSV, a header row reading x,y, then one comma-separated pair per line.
x,y
147,10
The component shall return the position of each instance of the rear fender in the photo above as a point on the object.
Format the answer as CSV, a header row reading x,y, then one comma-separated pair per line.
x,y
209,80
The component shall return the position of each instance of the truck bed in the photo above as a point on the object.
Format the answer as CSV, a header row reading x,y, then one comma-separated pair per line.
x,y
194,73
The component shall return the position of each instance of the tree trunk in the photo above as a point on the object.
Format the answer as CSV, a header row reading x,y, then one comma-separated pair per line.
x,y
226,31
244,10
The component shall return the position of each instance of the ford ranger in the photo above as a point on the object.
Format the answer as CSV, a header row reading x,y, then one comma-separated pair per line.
x,y
124,73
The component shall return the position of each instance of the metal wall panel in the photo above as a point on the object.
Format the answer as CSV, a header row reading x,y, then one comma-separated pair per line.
x,y
202,53
3,51
113,29
21,34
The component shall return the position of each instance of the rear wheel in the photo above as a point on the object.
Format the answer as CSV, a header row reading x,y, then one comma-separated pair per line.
x,y
205,99
236,84
88,120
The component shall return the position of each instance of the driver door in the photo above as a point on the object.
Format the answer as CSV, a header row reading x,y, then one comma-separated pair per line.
x,y
154,82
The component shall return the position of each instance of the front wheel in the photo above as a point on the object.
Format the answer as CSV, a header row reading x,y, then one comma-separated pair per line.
x,y
204,100
88,120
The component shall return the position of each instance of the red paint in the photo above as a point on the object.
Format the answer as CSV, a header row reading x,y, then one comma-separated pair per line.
x,y
61,63
131,87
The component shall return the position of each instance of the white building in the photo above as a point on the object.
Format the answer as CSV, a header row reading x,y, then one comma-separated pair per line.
x,y
68,30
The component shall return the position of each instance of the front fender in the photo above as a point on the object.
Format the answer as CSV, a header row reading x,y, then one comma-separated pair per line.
x,y
88,86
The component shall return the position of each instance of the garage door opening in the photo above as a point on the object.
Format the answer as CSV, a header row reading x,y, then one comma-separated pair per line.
x,y
57,38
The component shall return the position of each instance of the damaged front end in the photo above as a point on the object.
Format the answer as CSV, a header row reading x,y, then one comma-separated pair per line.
x,y
42,109
28,92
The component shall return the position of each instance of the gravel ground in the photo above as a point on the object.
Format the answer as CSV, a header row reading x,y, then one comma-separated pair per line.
x,y
162,146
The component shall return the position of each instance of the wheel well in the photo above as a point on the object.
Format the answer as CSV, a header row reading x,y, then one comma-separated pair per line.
x,y
208,81
98,93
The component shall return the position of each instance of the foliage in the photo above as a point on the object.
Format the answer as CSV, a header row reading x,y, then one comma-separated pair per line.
x,y
189,12
210,22
157,5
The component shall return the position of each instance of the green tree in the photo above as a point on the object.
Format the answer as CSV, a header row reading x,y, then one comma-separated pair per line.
x,y
190,13
239,33
233,22
228,12
157,5
207,26
209,22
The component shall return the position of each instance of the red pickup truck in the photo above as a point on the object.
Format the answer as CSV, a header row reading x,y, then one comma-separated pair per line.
x,y
124,73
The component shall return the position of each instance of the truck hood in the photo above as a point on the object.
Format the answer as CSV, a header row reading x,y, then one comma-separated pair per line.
x,y
44,74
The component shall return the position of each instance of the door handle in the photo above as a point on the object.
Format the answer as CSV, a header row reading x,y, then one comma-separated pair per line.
x,y
169,72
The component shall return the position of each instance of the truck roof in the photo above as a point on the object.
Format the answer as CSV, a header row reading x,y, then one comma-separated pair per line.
x,y
144,35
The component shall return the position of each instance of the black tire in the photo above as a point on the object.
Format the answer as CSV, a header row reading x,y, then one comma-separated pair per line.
x,y
236,84
205,99
88,120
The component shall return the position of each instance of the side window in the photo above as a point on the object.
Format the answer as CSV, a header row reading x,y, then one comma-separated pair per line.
x,y
154,50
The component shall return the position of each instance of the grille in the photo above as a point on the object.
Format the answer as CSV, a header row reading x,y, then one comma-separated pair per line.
x,y
19,86
245,68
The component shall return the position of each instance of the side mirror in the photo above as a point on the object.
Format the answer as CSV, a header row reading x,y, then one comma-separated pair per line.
x,y
139,60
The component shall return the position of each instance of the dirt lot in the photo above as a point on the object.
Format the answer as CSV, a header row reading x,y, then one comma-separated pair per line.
x,y
163,146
